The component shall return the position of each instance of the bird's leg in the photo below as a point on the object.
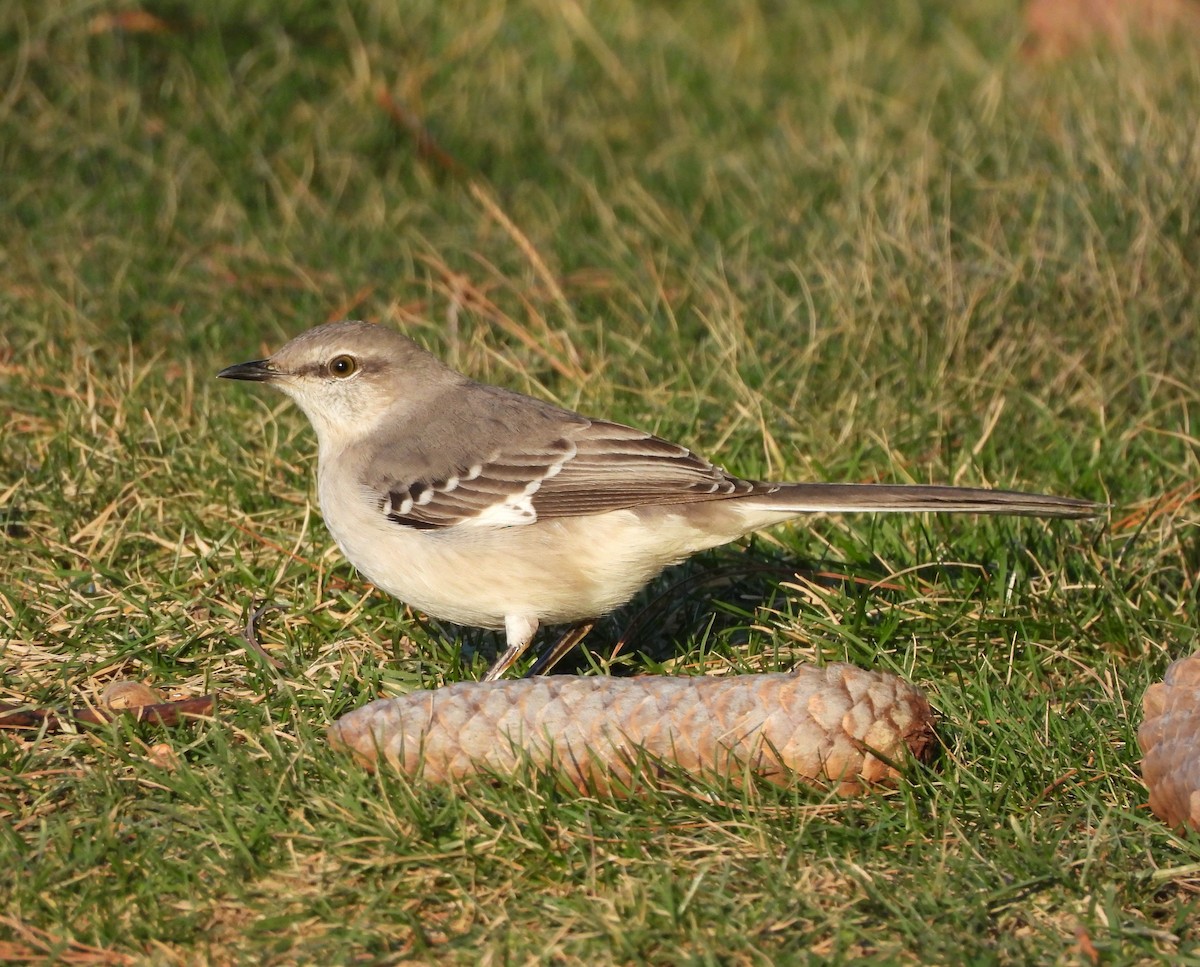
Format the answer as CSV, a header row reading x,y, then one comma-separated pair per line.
x,y
518,633
569,639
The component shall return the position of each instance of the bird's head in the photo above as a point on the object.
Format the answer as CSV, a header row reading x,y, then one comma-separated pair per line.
x,y
348,377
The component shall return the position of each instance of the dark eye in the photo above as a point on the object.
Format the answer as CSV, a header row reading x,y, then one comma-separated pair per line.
x,y
343,366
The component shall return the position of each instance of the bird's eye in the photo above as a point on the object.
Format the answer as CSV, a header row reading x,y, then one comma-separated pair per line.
x,y
343,366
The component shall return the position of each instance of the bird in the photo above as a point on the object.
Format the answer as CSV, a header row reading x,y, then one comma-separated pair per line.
x,y
484,507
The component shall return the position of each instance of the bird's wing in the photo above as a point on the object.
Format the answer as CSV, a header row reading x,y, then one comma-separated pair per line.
x,y
592,467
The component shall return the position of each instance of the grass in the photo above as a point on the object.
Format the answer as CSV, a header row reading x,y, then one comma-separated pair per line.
x,y
819,241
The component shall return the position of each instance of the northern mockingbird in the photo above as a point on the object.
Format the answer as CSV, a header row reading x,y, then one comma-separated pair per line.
x,y
484,507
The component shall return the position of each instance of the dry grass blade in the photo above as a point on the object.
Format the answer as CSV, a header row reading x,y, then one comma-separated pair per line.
x,y
521,240
462,292
38,946
428,148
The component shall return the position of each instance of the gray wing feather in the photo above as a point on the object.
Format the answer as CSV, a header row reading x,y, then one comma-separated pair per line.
x,y
592,468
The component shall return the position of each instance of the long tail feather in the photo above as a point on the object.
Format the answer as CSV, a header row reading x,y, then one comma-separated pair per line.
x,y
839,497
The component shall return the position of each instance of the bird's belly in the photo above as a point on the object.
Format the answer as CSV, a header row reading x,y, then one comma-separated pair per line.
x,y
557,571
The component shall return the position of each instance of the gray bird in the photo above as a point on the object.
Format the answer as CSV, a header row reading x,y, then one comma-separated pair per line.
x,y
488,508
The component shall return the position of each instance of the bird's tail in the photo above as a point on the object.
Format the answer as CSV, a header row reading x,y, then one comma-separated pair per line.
x,y
842,497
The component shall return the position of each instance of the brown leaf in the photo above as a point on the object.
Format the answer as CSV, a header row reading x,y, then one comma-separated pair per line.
x,y
1057,28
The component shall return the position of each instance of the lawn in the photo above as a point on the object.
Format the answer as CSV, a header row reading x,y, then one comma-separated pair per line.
x,y
826,240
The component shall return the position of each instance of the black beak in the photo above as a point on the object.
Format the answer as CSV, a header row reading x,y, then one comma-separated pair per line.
x,y
257,371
